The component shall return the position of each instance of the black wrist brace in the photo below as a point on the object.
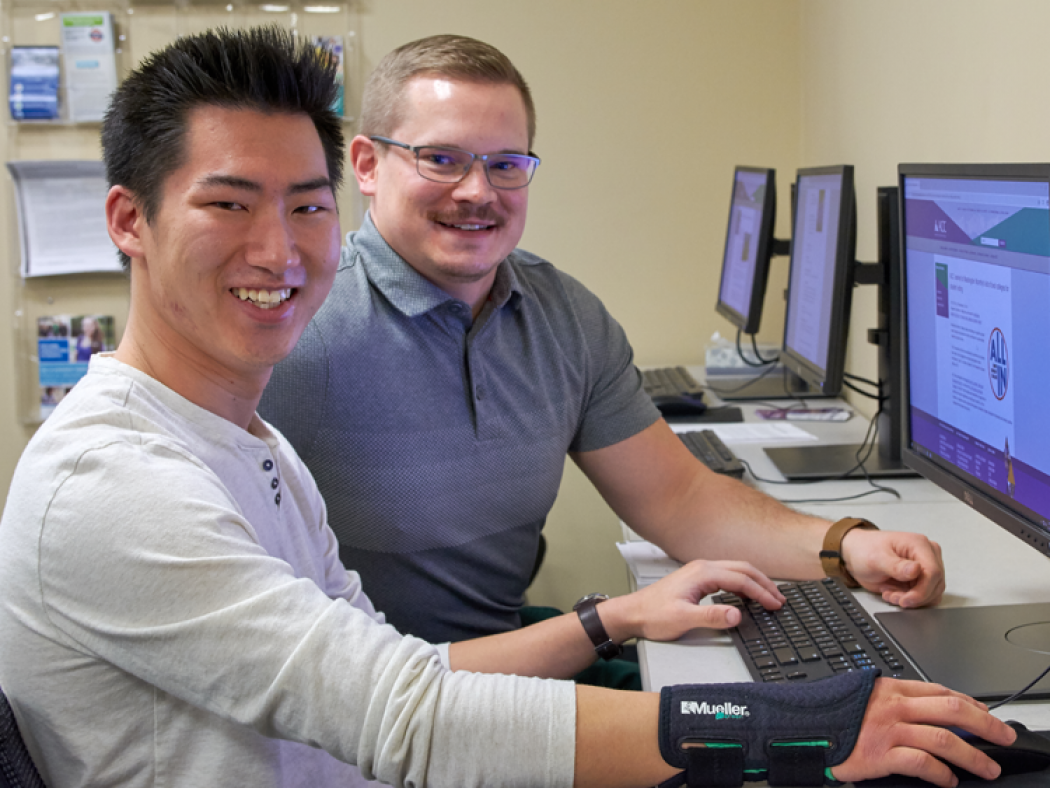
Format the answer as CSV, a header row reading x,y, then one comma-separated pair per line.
x,y
787,734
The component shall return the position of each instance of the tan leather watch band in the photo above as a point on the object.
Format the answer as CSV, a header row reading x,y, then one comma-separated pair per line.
x,y
831,553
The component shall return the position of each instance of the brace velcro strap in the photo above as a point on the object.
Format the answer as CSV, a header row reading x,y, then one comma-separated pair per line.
x,y
788,734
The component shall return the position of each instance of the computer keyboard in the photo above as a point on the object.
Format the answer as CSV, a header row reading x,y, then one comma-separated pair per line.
x,y
707,447
820,631
670,381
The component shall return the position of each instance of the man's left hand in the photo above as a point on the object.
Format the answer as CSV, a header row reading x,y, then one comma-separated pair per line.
x,y
905,568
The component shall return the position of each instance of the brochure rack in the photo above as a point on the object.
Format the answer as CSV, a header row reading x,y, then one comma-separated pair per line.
x,y
137,28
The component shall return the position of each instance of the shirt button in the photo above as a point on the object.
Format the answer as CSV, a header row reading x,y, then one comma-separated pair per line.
x,y
267,465
274,482
277,499
479,392
456,307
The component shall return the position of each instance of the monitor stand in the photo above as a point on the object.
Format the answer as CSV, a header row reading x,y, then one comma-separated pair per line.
x,y
813,463
988,653
779,384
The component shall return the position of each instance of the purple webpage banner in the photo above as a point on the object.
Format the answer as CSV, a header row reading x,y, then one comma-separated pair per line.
x,y
1010,476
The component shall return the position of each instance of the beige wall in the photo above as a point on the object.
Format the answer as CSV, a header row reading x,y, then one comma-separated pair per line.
x,y
643,111
919,80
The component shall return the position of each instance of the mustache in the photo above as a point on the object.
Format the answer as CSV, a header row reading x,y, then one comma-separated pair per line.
x,y
480,214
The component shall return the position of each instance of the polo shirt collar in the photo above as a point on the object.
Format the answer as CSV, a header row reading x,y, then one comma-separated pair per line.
x,y
403,286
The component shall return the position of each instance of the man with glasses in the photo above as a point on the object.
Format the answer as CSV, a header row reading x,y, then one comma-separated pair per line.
x,y
438,390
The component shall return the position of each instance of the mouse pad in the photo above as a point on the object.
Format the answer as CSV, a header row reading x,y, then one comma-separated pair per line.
x,y
1029,780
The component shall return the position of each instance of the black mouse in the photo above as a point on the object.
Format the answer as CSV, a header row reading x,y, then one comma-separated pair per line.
x,y
679,404
1030,753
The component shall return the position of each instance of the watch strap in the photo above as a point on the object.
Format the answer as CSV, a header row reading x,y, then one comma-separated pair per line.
x,y
831,553
586,609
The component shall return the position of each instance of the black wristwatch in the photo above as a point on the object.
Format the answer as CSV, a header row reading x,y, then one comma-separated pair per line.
x,y
592,625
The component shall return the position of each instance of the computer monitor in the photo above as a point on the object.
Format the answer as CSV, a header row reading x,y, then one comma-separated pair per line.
x,y
881,458
976,285
749,247
820,282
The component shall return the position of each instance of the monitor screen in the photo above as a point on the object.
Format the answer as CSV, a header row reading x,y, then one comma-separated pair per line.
x,y
820,282
977,289
749,246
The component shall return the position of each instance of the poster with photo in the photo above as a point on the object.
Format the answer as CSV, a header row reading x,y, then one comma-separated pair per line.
x,y
65,344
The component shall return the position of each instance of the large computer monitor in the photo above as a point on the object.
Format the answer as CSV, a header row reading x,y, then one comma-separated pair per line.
x,y
749,247
976,285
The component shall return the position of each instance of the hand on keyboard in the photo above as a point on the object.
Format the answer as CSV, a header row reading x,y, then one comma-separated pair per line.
x,y
669,608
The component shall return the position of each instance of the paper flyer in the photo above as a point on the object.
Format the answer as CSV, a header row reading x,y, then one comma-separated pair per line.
x,y
66,195
34,83
90,63
64,346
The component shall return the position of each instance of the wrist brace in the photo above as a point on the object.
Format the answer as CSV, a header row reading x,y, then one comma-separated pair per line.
x,y
786,734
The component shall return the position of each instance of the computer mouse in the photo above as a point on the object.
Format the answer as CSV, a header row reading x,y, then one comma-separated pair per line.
x,y
679,404
1030,753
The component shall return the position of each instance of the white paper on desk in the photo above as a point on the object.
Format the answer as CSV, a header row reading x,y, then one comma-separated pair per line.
x,y
766,433
647,562
62,217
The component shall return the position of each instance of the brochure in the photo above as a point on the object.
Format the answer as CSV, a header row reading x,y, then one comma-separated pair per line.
x,y
34,83
64,346
90,63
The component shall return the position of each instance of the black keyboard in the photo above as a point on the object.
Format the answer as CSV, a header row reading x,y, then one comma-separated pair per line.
x,y
821,630
670,381
707,447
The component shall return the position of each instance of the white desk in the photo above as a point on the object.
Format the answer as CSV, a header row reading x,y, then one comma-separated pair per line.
x,y
985,565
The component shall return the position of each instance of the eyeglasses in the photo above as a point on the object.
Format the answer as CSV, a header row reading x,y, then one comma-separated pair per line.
x,y
451,165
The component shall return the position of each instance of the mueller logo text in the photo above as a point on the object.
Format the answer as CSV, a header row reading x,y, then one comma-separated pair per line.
x,y
722,711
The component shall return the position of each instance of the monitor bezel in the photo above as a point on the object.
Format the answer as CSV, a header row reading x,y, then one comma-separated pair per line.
x,y
829,379
749,323
981,497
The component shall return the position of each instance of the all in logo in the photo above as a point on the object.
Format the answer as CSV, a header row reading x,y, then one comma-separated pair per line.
x,y
723,711
998,363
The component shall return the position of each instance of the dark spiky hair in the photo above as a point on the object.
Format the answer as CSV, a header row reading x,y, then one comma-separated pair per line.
x,y
263,69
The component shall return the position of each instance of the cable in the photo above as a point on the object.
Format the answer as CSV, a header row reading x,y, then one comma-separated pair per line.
x,y
859,379
1020,692
754,347
863,393
863,453
754,343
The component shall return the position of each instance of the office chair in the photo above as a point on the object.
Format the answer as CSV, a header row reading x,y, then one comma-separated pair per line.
x,y
16,767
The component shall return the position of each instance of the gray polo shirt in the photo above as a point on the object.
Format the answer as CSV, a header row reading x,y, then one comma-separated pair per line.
x,y
438,441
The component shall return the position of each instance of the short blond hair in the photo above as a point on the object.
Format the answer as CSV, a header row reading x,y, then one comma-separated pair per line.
x,y
454,57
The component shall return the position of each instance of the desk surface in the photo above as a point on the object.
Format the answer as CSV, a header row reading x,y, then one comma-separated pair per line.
x,y
985,565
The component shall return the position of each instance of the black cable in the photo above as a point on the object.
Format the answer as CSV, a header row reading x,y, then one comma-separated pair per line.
x,y
863,453
754,347
1021,692
863,393
761,362
859,379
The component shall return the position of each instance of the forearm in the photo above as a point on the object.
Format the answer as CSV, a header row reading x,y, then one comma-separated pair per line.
x,y
616,739
557,648
658,488
719,518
